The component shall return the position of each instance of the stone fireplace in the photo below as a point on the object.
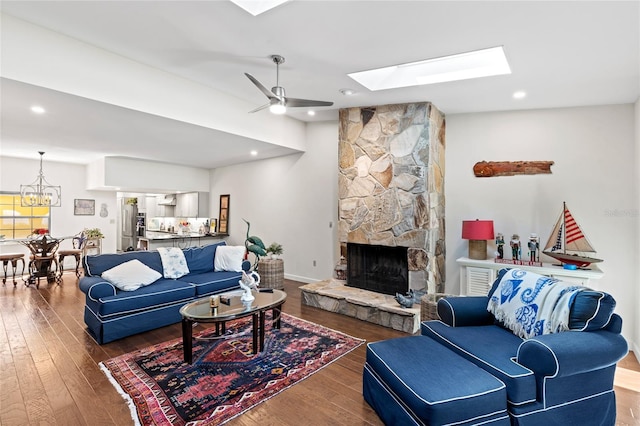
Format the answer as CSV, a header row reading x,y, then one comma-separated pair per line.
x,y
391,213
391,185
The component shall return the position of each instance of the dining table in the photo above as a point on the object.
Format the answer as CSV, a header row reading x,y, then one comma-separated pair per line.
x,y
43,261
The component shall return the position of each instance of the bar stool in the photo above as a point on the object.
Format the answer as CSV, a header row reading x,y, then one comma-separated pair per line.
x,y
13,258
76,252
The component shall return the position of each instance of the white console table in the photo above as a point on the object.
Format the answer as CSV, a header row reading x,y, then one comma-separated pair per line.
x,y
477,276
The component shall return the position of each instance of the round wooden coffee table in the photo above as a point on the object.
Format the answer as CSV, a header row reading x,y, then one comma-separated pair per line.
x,y
201,311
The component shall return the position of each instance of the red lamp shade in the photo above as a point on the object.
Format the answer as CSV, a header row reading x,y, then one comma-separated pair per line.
x,y
477,229
478,232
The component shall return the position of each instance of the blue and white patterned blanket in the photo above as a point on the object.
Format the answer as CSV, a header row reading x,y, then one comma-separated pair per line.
x,y
174,264
530,304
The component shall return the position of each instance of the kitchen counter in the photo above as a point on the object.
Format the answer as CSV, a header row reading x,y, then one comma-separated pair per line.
x,y
154,239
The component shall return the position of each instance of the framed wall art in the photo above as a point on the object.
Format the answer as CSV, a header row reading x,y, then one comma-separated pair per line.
x,y
223,217
83,207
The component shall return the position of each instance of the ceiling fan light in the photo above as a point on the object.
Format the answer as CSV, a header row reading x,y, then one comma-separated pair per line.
x,y
277,109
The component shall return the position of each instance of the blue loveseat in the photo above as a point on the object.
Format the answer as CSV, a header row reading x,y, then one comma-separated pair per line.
x,y
112,314
460,368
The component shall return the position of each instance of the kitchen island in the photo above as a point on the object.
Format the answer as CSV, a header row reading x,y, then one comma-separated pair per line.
x,y
154,239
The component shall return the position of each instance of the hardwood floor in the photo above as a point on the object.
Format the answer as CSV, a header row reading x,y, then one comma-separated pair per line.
x,y
49,370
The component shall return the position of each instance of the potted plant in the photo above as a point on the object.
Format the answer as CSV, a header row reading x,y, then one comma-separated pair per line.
x,y
93,233
275,249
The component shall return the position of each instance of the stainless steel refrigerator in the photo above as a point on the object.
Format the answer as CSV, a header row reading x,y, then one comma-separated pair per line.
x,y
128,221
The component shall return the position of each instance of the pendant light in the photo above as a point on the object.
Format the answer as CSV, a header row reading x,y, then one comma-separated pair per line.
x,y
40,193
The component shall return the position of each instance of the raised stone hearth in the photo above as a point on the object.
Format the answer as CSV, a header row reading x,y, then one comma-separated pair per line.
x,y
334,296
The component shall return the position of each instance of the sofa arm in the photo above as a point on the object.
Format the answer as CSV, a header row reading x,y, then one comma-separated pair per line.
x,y
571,352
96,287
464,311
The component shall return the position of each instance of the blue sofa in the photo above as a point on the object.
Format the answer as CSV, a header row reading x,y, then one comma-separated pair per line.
x,y
564,377
112,314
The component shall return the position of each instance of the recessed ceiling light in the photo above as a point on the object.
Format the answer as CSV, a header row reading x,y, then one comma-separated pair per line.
x,y
254,153
38,109
311,112
463,66
256,7
519,94
347,92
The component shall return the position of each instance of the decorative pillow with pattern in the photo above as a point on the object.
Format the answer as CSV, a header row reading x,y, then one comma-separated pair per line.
x,y
174,264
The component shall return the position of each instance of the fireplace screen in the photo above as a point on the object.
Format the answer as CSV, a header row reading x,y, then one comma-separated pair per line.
x,y
377,268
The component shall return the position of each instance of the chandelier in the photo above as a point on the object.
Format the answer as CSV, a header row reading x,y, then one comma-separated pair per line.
x,y
40,193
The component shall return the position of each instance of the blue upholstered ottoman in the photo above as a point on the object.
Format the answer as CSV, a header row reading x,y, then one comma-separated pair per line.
x,y
415,380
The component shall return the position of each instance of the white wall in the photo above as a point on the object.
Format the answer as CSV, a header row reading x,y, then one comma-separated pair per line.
x,y
291,200
594,172
71,177
153,176
636,347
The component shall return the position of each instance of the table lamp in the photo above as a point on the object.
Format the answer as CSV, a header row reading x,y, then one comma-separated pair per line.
x,y
477,232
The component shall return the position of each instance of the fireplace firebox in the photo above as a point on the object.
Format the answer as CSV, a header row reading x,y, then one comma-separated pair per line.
x,y
378,268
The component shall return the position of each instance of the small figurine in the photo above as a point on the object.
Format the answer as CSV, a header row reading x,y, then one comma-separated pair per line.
x,y
417,294
404,301
515,247
247,283
500,244
534,247
411,298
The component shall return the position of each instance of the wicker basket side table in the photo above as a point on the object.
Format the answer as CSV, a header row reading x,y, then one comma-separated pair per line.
x,y
271,273
429,306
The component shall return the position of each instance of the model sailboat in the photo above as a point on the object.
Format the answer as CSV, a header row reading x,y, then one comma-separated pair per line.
x,y
567,242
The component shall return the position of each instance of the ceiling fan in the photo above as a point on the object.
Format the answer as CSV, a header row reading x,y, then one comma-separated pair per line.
x,y
278,101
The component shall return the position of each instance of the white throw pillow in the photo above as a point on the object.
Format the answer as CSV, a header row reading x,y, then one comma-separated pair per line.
x,y
131,275
229,258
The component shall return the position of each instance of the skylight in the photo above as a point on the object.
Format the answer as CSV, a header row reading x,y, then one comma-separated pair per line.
x,y
256,7
463,66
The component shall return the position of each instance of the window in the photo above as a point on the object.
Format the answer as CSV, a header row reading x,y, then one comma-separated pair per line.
x,y
20,222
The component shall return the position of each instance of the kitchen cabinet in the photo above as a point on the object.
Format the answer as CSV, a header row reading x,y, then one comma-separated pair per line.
x,y
161,210
150,207
142,204
192,204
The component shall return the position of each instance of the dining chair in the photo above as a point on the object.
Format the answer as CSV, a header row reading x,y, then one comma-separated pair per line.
x,y
78,245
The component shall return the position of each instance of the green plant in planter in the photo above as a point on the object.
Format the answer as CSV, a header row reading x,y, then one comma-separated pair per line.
x,y
93,233
275,248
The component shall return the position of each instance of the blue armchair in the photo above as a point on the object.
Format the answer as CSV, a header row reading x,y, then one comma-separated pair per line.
x,y
562,378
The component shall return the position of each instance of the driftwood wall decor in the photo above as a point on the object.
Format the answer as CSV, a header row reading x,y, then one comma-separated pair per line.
x,y
510,168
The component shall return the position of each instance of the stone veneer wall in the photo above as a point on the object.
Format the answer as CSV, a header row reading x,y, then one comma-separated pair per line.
x,y
391,184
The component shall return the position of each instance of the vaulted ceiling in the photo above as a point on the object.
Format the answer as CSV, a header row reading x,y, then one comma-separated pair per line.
x,y
561,54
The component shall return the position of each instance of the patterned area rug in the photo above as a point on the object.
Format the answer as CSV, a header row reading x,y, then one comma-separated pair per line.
x,y
226,378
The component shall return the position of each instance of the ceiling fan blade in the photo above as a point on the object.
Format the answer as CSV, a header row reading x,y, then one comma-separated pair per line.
x,y
269,94
296,103
260,108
